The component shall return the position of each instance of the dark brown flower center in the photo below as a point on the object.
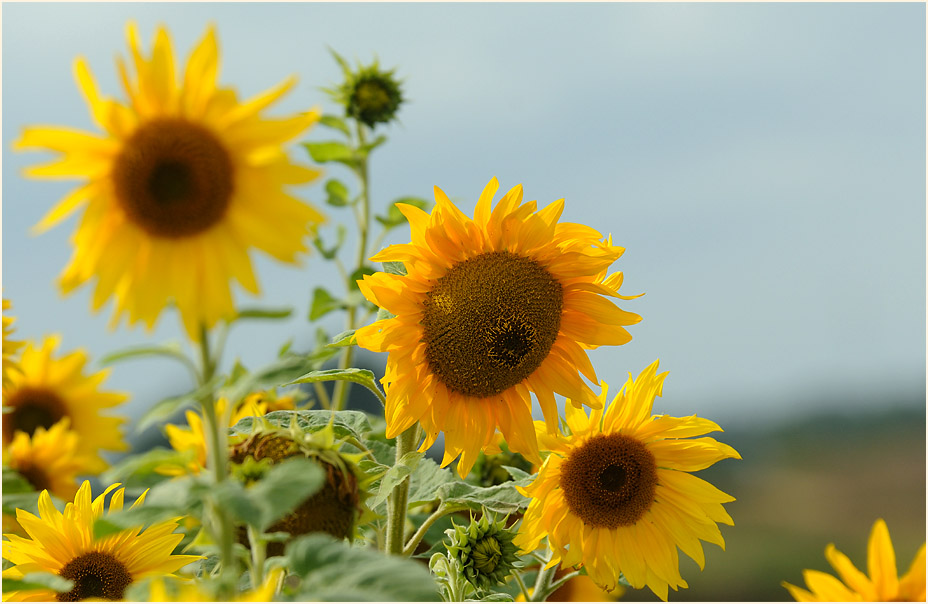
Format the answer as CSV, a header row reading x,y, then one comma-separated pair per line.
x,y
173,178
95,575
609,480
332,509
490,321
32,408
36,477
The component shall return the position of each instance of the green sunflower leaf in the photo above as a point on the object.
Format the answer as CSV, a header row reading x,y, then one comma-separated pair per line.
x,y
345,338
278,373
330,253
395,475
32,581
337,193
166,501
394,268
336,123
344,423
323,303
358,274
502,498
14,482
139,470
165,408
322,561
264,313
171,351
353,374
366,149
330,151
394,217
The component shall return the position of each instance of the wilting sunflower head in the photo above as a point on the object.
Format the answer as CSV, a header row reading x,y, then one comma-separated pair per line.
x,y
883,583
49,389
49,459
183,181
616,494
10,347
491,309
369,95
484,550
192,439
335,508
63,544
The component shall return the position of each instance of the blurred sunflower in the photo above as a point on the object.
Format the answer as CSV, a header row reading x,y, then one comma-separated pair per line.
x,y
883,584
490,310
578,589
616,495
10,347
48,459
63,544
49,390
190,591
183,182
193,437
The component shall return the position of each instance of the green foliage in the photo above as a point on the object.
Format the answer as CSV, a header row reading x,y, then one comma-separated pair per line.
x,y
344,423
336,123
502,499
264,313
337,193
279,491
33,581
334,571
166,501
394,217
358,376
323,303
171,351
165,408
330,253
358,275
284,369
139,469
345,338
394,268
395,475
330,151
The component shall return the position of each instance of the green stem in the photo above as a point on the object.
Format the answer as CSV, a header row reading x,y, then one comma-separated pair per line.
x,y
340,396
560,582
436,515
258,554
216,439
397,501
543,583
521,583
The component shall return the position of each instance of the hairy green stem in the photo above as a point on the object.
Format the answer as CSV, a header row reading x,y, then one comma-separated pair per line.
x,y
560,582
216,439
521,583
427,524
258,554
340,396
398,499
543,583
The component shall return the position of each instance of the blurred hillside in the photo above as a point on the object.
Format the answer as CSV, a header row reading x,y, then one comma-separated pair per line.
x,y
802,485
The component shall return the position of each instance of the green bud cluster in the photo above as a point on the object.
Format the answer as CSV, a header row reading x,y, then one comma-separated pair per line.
x,y
484,550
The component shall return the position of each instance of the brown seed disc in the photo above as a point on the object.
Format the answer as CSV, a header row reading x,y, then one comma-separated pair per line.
x,y
95,575
32,408
609,480
173,178
490,321
36,477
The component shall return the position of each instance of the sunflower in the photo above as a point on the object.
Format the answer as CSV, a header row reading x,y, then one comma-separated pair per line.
x,y
883,584
193,437
63,544
616,495
578,589
190,591
184,180
10,347
48,459
49,390
490,310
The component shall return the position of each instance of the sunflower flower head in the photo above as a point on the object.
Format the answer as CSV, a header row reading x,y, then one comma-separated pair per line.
x,y
616,495
64,544
335,508
490,309
49,389
49,459
883,583
484,550
369,94
10,347
183,181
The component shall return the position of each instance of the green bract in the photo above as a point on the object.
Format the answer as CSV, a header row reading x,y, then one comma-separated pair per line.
x,y
484,550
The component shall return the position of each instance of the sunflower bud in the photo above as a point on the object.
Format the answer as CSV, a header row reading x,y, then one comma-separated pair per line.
x,y
484,550
369,95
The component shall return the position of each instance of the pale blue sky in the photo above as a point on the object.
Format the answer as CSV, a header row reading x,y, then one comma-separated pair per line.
x,y
763,164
